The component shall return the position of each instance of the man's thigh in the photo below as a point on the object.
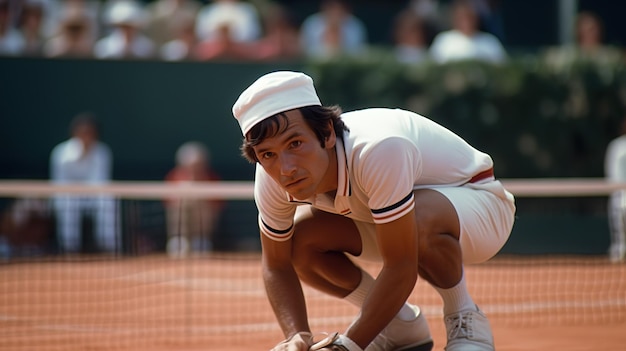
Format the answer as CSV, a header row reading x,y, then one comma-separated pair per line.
x,y
325,231
485,221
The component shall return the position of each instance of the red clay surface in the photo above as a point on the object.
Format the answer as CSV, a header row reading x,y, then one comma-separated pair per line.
x,y
217,302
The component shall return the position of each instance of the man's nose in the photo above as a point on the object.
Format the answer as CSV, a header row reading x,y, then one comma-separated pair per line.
x,y
287,165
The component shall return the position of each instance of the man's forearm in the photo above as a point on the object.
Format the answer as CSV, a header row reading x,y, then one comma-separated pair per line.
x,y
382,304
285,294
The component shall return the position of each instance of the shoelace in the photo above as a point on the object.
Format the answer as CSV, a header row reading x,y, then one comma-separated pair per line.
x,y
459,325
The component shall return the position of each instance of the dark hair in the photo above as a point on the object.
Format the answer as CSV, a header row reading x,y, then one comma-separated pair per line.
x,y
316,117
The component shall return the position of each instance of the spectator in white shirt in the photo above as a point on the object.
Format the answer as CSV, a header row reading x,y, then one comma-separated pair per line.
x,y
126,17
83,159
465,41
240,17
75,35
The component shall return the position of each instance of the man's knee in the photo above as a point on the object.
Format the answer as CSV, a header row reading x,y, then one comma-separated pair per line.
x,y
437,227
435,215
317,232
308,241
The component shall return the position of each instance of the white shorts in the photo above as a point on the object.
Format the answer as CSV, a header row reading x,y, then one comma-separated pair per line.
x,y
486,214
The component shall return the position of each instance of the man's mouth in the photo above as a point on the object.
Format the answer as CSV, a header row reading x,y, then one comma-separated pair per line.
x,y
294,183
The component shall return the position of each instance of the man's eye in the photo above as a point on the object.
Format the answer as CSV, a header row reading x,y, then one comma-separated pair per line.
x,y
296,143
267,155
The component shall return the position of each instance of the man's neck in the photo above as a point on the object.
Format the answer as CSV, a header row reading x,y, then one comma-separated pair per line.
x,y
331,178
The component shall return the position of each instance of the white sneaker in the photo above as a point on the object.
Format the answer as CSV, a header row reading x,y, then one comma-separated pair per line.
x,y
468,330
402,335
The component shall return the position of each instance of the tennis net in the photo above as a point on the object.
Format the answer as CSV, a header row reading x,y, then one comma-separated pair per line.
x,y
134,294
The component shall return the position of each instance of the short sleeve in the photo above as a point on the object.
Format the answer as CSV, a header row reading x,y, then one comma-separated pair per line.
x,y
387,173
276,213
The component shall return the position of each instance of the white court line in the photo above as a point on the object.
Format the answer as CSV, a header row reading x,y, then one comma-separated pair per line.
x,y
229,286
236,286
245,288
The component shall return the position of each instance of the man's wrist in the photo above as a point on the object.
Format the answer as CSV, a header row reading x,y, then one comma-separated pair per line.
x,y
305,336
295,341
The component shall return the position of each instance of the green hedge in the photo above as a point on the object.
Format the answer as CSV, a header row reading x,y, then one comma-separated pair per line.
x,y
538,117
548,115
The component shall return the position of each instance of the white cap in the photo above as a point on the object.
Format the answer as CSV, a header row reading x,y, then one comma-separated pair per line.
x,y
271,94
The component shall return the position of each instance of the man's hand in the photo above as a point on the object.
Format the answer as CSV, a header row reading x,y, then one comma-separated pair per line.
x,y
336,342
298,342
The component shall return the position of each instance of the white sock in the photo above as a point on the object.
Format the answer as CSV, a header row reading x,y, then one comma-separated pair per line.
x,y
456,298
357,297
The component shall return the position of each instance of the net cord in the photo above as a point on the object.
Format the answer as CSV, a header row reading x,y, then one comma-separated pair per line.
x,y
244,190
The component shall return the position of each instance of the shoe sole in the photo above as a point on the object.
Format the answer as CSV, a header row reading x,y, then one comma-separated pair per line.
x,y
423,347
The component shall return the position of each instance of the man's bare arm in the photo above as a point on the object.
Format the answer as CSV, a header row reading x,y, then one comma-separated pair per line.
x,y
399,247
283,287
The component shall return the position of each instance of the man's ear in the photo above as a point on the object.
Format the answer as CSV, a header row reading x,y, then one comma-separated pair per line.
x,y
331,139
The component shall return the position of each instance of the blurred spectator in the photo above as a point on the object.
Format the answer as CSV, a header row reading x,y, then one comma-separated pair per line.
x,y
589,31
489,16
227,29
11,41
333,31
431,14
191,222
26,227
280,40
239,19
62,10
409,38
615,171
83,159
465,41
31,26
427,10
183,45
222,46
127,19
589,44
75,35
166,19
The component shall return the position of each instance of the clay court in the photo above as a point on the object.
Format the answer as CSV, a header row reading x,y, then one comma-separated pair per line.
x,y
217,302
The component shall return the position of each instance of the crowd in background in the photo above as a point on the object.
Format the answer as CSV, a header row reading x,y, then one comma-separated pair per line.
x,y
253,30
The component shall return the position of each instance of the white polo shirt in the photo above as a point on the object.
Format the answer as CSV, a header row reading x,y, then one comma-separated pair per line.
x,y
384,157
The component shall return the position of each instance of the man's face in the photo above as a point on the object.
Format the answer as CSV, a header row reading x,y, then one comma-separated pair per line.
x,y
87,134
465,20
295,159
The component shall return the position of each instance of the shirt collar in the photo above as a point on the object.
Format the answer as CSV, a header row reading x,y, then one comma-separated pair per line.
x,y
343,177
